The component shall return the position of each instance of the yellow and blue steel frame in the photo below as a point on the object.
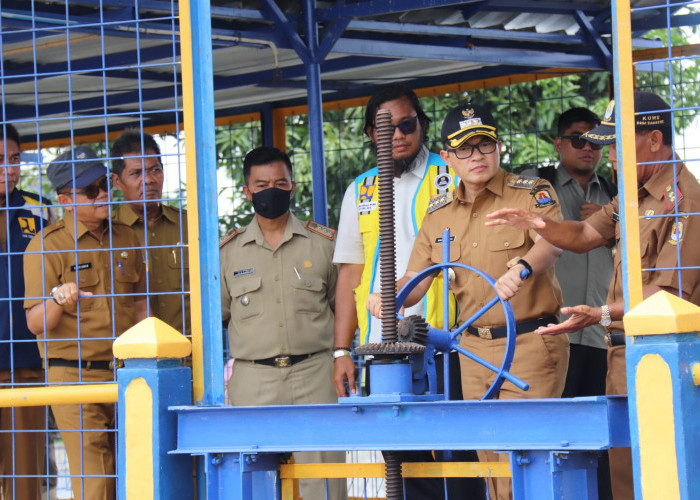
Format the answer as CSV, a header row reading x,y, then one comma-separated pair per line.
x,y
663,347
203,222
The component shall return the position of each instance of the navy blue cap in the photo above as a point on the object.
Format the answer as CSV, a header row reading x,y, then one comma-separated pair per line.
x,y
88,168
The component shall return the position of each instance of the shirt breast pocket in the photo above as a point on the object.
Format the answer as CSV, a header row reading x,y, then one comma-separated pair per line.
x,y
309,294
510,243
87,281
436,250
246,299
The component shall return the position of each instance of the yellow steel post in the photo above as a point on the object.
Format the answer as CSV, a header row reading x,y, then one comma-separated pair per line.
x,y
626,153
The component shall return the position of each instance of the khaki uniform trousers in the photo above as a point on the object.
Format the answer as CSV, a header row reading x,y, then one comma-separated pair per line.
x,y
539,360
307,382
84,429
22,441
621,476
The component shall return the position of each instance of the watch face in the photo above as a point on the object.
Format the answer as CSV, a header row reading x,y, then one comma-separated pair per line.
x,y
605,322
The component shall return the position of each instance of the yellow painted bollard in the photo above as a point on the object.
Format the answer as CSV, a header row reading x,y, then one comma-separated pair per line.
x,y
664,399
151,381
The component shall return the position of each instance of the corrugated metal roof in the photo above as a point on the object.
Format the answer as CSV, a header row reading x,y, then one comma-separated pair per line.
x,y
114,51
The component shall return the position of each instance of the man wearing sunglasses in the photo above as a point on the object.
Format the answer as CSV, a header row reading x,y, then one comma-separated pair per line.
x,y
419,177
666,187
137,171
22,215
472,149
584,278
85,276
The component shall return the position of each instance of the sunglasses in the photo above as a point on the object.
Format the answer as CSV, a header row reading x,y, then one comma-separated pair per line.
x,y
92,191
579,143
407,126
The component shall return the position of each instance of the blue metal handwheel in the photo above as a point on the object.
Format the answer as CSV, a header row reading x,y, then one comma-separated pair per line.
x,y
446,340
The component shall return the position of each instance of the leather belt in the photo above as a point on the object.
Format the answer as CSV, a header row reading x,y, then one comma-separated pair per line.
x,y
615,339
500,332
282,361
85,365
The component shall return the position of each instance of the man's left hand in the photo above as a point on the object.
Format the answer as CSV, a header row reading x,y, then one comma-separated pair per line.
x,y
581,317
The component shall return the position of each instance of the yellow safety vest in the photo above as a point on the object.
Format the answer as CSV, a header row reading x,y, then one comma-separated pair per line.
x,y
438,179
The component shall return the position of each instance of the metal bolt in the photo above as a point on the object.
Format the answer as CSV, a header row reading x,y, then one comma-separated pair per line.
x,y
216,459
522,460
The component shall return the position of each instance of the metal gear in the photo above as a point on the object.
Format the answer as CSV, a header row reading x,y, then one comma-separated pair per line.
x,y
413,329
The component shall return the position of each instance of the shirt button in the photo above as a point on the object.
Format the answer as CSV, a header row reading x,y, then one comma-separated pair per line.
x,y
475,214
153,235
474,244
506,244
281,324
308,283
277,278
278,300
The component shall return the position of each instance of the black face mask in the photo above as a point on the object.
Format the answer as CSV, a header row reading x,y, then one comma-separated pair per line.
x,y
272,202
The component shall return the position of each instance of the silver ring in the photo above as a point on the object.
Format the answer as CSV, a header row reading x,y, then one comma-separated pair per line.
x,y
61,296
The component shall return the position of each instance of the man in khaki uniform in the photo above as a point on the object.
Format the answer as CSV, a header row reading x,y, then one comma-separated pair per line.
x,y
277,293
470,138
137,172
69,311
660,239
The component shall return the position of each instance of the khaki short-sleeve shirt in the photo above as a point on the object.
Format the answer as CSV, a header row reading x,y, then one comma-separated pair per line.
x,y
661,238
278,301
168,266
111,270
489,249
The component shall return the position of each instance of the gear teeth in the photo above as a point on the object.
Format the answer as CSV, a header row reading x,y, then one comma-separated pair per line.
x,y
389,349
413,329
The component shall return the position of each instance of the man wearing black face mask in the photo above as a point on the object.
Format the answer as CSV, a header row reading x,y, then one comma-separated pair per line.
x,y
278,295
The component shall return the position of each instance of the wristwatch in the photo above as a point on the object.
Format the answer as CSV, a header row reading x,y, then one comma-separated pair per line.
x,y
605,315
52,292
340,353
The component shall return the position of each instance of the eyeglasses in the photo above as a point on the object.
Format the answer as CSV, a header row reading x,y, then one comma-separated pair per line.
x,y
407,126
466,151
92,191
578,143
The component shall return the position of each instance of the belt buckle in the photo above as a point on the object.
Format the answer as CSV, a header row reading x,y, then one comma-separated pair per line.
x,y
283,361
484,333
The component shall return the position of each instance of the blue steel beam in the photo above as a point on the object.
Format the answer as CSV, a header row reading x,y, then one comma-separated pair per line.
x,y
593,423
599,46
289,29
383,7
476,54
313,81
443,31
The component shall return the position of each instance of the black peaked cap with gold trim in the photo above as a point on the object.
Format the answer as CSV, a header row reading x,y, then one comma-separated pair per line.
x,y
464,122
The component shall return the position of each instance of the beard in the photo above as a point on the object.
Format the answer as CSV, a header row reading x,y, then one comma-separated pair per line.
x,y
402,165
405,164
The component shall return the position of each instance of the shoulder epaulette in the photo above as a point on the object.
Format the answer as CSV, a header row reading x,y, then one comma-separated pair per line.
x,y
230,235
440,201
521,181
320,229
53,227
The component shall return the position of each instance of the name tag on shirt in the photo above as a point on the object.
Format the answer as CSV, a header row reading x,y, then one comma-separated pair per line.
x,y
81,267
243,272
367,206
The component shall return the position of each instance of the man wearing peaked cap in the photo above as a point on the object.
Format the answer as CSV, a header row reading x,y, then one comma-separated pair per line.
x,y
663,240
472,149
651,113
71,305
